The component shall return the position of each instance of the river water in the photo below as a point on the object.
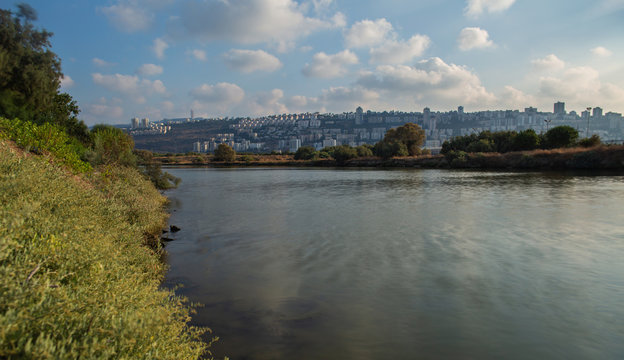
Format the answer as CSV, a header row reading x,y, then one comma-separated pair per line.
x,y
401,264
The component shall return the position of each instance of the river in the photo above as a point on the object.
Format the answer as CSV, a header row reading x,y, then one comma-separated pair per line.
x,y
401,264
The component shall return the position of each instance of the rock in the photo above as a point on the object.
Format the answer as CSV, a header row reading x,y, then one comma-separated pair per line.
x,y
174,228
166,239
165,231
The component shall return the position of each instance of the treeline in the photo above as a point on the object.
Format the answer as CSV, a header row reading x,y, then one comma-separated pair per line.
x,y
405,140
508,141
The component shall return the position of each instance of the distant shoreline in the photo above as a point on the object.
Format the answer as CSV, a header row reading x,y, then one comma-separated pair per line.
x,y
596,158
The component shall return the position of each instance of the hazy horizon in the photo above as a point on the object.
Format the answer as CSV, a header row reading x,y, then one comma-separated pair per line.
x,y
162,58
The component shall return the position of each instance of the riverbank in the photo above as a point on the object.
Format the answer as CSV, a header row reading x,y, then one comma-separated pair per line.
x,y
595,158
80,265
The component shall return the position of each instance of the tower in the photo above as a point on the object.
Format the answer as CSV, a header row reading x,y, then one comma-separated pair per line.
x,y
559,108
359,115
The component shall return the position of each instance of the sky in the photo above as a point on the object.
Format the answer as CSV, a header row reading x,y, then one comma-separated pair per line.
x,y
162,58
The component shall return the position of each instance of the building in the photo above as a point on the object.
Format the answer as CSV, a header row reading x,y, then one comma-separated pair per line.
x,y
559,108
597,112
294,145
145,122
134,123
359,116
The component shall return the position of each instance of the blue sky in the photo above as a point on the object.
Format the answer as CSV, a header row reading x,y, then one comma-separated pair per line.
x,y
161,58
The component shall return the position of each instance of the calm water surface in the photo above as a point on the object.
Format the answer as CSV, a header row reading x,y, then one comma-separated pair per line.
x,y
418,264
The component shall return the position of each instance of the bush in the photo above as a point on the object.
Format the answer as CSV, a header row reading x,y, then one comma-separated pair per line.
x,y
526,140
344,153
365,150
48,138
482,145
561,136
151,169
388,149
224,153
592,141
111,146
305,153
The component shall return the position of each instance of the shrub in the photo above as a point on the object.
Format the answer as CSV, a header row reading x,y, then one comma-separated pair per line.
x,y
151,169
561,136
482,145
224,153
344,153
305,153
388,149
526,140
46,137
592,141
111,146
365,150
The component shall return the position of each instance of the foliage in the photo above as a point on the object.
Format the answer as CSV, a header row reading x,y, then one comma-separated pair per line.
x,y
387,149
64,113
76,279
224,152
410,135
45,138
592,141
487,141
560,136
482,145
343,153
111,146
151,169
305,153
365,150
30,72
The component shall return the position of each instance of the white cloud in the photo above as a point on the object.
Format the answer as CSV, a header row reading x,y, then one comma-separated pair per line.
x,y
321,6
430,81
278,22
330,66
199,54
601,51
513,98
159,47
149,70
549,63
130,85
167,105
102,63
128,17
474,38
216,99
102,112
475,8
67,82
251,60
267,103
367,33
399,52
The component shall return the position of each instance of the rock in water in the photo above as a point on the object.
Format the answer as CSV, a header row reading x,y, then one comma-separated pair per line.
x,y
174,228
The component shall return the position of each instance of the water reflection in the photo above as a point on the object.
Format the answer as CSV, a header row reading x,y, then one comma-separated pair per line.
x,y
372,264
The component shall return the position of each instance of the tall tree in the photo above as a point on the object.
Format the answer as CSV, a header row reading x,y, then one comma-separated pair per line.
x,y
30,72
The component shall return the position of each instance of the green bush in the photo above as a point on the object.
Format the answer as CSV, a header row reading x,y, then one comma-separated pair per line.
x,y
388,149
76,278
560,136
152,170
111,146
45,138
344,153
592,141
305,153
224,153
365,150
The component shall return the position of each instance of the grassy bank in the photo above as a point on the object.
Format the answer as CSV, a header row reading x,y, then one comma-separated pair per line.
x,y
77,277
595,158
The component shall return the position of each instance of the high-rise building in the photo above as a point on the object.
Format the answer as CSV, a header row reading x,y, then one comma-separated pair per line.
x,y
460,110
145,122
559,108
359,116
134,122
597,112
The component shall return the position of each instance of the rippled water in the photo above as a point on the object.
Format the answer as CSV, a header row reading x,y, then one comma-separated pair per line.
x,y
374,264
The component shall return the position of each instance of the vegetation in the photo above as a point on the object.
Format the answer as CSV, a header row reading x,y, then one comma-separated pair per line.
x,y
507,141
410,135
80,255
305,153
224,152
76,278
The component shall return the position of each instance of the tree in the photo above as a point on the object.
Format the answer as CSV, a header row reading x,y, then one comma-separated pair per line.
x,y
410,134
30,72
111,146
561,136
591,141
343,153
388,149
305,153
64,113
526,140
365,150
224,153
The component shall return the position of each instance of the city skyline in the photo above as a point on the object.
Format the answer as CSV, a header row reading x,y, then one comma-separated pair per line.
x,y
161,58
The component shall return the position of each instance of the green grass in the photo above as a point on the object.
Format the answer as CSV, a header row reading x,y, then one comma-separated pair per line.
x,y
76,277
